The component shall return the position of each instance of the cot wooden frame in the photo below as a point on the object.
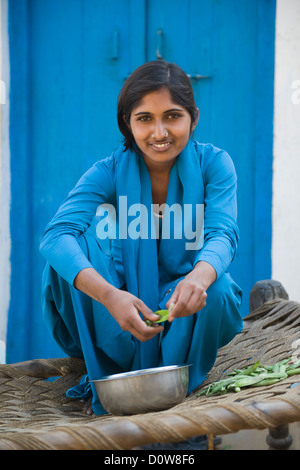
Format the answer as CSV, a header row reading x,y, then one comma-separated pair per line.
x,y
36,414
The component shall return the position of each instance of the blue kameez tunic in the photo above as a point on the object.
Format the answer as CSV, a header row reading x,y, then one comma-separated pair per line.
x,y
202,174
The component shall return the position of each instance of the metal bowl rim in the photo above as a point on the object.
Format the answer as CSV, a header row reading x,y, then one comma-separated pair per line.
x,y
135,373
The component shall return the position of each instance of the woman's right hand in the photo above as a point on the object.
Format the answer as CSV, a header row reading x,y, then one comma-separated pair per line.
x,y
125,309
122,305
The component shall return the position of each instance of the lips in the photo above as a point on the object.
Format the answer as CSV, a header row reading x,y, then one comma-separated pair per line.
x,y
161,146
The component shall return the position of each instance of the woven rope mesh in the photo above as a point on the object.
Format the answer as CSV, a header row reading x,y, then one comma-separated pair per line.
x,y
36,414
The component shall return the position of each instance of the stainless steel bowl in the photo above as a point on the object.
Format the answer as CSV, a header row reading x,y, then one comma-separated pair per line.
x,y
143,390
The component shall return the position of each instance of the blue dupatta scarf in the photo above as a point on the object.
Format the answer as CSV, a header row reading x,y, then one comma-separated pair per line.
x,y
140,256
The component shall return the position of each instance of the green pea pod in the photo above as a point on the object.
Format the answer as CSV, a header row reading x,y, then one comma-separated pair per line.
x,y
163,314
216,387
277,375
235,372
284,361
293,371
249,370
247,381
295,365
268,368
266,382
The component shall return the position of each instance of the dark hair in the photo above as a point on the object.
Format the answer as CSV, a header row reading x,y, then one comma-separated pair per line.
x,y
149,77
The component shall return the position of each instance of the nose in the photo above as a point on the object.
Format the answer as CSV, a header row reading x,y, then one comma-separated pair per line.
x,y
159,131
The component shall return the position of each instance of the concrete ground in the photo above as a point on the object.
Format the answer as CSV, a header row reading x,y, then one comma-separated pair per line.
x,y
256,439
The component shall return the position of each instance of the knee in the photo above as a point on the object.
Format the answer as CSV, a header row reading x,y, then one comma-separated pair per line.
x,y
223,291
219,289
100,259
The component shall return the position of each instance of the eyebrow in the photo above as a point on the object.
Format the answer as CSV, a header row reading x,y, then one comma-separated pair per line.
x,y
168,111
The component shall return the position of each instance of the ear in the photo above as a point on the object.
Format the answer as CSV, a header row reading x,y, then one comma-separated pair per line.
x,y
194,125
126,122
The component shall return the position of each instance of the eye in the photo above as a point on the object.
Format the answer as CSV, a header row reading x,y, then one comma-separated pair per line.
x,y
174,116
143,118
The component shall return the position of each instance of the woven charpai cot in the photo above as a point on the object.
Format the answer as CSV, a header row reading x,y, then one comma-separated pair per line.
x,y
37,415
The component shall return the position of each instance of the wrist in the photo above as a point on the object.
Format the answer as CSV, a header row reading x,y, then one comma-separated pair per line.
x,y
204,272
105,293
94,285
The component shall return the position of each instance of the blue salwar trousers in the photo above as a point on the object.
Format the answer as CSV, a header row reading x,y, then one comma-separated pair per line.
x,y
83,327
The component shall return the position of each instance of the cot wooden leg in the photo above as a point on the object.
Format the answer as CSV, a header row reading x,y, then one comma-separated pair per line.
x,y
279,438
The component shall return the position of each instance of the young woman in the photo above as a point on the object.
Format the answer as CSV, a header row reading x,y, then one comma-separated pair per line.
x,y
95,303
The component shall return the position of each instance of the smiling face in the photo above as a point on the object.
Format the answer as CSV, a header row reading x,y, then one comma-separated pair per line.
x,y
161,128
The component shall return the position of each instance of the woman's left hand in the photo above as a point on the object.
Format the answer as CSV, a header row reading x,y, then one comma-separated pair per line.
x,y
190,294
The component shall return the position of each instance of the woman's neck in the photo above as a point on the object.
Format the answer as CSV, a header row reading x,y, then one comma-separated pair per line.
x,y
158,168
159,185
159,174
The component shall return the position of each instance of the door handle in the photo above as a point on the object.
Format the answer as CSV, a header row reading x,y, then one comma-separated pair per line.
x,y
115,45
158,52
197,76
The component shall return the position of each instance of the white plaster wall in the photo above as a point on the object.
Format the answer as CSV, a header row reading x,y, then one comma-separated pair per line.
x,y
4,179
286,163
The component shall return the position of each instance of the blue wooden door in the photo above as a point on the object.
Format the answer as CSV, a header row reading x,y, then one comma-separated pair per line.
x,y
69,59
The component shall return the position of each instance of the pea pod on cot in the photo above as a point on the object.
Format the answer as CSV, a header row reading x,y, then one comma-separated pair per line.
x,y
247,381
235,372
266,382
277,375
249,370
295,365
268,368
256,375
220,386
293,371
280,366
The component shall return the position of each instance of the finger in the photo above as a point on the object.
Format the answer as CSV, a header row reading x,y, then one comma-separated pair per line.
x,y
152,331
146,312
172,300
143,332
195,304
180,305
141,325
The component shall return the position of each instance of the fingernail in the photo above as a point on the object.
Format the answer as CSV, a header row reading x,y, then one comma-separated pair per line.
x,y
171,307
